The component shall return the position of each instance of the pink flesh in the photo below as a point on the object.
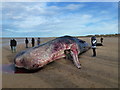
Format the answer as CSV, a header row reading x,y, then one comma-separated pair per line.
x,y
74,52
46,56
56,56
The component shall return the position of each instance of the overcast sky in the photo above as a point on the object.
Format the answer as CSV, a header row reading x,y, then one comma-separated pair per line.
x,y
48,19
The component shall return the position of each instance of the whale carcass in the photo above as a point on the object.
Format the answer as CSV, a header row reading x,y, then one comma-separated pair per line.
x,y
39,56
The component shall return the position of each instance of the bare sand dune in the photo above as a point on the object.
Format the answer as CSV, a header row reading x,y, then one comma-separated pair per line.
x,y
96,72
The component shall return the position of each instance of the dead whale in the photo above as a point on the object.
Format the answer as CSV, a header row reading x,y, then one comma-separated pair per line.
x,y
43,54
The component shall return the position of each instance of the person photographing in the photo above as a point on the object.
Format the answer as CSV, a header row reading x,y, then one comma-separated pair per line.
x,y
94,42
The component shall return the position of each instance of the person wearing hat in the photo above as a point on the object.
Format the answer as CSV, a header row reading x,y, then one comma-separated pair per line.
x,y
94,42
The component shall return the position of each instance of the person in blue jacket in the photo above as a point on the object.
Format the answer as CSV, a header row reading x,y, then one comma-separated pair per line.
x,y
38,41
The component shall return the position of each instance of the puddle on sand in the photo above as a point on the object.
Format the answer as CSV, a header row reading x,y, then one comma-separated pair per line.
x,y
7,68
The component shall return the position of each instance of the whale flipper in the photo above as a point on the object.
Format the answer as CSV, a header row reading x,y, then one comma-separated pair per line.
x,y
75,59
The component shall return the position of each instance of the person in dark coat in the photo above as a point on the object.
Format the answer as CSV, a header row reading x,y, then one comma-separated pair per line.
x,y
38,41
26,42
94,42
33,42
13,44
101,39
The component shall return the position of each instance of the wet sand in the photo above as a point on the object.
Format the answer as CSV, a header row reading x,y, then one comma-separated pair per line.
x,y
96,72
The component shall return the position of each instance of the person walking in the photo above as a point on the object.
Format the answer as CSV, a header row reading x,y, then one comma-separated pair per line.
x,y
94,42
101,39
33,42
38,41
26,42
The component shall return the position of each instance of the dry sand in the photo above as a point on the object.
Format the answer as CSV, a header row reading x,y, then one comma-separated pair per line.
x,y
96,72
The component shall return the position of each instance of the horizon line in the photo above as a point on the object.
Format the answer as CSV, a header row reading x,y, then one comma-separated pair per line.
x,y
60,36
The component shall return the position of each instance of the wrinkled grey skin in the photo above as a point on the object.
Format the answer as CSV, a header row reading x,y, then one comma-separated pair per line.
x,y
41,55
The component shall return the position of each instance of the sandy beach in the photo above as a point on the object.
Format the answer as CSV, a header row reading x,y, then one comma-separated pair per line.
x,y
96,72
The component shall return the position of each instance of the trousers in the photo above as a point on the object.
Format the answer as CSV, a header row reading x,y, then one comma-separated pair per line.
x,y
94,51
13,48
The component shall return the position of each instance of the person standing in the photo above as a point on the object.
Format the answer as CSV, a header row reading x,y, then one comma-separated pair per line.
x,y
33,42
26,42
14,44
101,39
94,42
11,44
38,41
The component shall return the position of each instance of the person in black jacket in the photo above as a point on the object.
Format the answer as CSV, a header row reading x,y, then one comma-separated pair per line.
x,y
26,42
13,44
33,42
101,39
94,42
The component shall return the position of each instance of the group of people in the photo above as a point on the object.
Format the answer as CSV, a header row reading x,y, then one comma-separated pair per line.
x,y
32,42
13,43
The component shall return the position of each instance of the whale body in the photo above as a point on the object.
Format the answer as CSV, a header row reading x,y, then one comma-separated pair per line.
x,y
41,55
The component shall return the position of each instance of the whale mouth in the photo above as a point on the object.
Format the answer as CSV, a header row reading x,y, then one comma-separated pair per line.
x,y
18,66
19,63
